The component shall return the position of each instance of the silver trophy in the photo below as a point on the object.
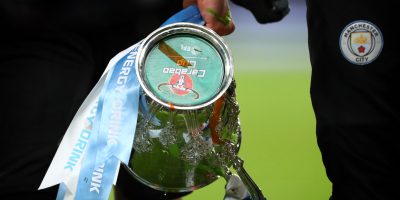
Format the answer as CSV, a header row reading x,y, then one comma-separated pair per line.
x,y
188,132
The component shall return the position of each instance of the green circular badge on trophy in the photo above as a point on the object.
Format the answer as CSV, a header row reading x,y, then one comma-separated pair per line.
x,y
184,70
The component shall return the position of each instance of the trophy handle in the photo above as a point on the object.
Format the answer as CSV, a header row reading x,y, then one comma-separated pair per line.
x,y
254,191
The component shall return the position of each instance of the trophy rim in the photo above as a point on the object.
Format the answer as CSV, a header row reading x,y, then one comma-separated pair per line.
x,y
191,29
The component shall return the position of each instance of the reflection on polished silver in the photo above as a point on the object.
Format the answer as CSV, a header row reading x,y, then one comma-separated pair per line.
x,y
142,141
182,147
195,150
168,135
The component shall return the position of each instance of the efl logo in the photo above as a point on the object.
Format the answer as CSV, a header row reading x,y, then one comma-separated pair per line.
x,y
361,42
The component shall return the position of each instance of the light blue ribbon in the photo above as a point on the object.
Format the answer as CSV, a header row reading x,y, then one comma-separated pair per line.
x,y
115,126
62,189
117,130
115,123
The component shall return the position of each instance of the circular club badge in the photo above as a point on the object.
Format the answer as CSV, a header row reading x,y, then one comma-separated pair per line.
x,y
361,42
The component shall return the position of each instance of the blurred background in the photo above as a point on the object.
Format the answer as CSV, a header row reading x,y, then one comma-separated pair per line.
x,y
272,71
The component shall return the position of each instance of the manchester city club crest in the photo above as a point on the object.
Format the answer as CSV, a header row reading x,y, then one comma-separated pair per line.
x,y
361,42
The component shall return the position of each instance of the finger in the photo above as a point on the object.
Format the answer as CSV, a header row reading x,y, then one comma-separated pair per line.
x,y
216,14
